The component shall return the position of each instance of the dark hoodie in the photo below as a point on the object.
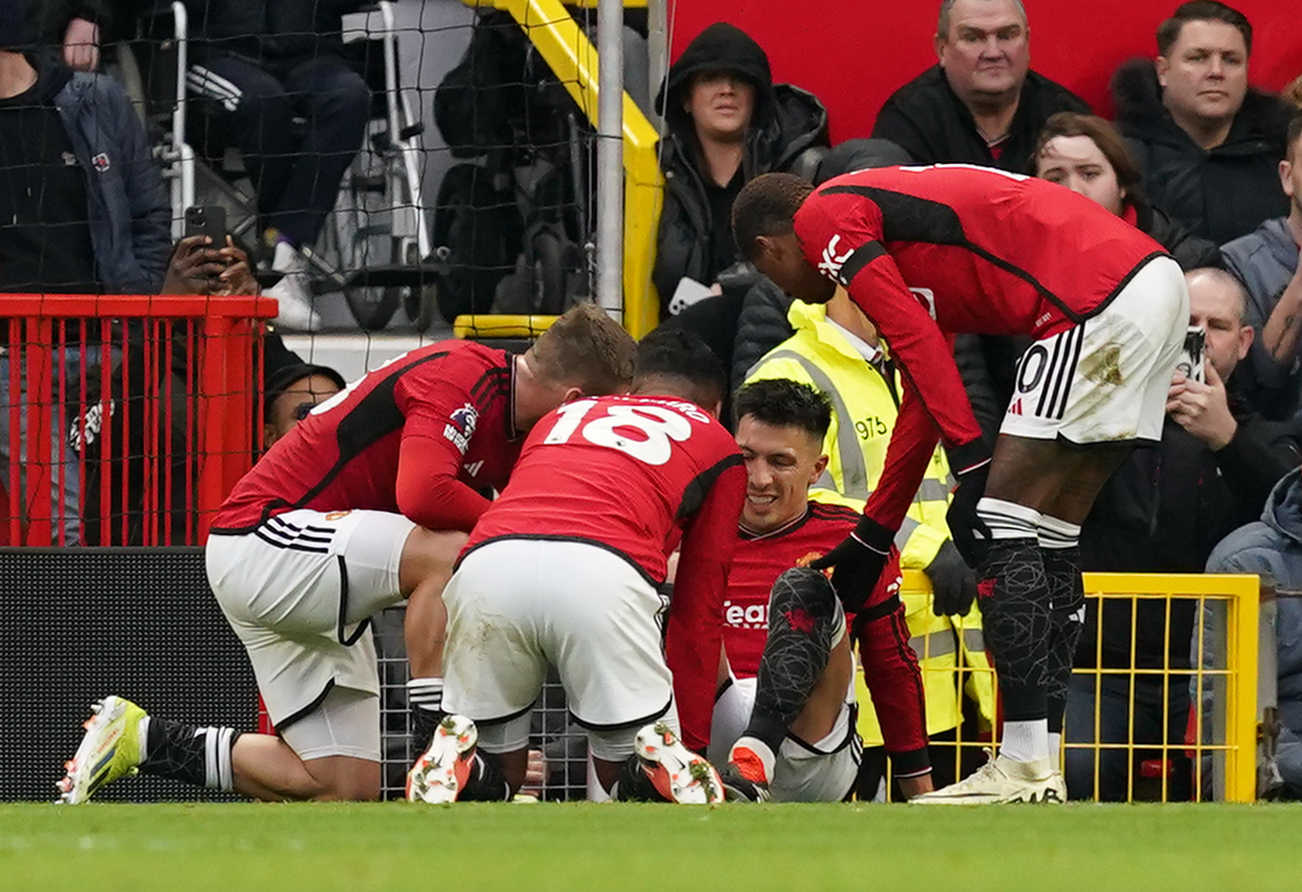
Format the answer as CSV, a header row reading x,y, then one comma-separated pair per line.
x,y
45,243
695,235
1219,194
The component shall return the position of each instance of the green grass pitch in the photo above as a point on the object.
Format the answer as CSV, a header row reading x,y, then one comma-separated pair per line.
x,y
627,848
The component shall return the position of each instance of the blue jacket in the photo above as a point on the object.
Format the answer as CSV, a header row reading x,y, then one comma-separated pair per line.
x,y
1272,548
128,208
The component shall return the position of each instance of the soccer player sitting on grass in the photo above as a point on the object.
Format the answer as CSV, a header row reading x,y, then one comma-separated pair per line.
x,y
565,569
930,252
365,502
786,718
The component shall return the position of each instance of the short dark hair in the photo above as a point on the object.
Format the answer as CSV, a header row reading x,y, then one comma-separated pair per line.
x,y
1105,136
1201,11
947,7
781,402
680,357
1292,137
766,206
586,348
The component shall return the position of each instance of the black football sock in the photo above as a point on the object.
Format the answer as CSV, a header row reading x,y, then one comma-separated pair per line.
x,y
804,618
486,783
1015,615
1066,613
200,756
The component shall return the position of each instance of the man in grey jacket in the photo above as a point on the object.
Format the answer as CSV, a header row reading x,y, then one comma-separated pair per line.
x,y
1266,261
1272,548
82,210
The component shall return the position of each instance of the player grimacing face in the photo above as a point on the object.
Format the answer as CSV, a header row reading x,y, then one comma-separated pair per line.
x,y
781,464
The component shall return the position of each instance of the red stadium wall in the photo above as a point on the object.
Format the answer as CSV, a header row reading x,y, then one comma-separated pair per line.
x,y
854,53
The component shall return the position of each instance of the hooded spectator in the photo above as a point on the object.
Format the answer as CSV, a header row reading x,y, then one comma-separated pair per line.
x,y
727,124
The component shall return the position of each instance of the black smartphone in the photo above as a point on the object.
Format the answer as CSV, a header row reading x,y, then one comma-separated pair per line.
x,y
209,220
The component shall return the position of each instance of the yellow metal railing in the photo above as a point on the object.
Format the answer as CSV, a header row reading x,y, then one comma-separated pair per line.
x,y
573,59
1222,749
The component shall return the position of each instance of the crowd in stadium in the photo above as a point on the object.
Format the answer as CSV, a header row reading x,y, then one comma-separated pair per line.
x,y
865,364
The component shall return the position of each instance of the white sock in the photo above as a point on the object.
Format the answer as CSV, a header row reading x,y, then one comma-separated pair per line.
x,y
1025,741
1055,747
759,748
426,693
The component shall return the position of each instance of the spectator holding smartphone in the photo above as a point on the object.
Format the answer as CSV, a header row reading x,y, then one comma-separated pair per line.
x,y
1163,511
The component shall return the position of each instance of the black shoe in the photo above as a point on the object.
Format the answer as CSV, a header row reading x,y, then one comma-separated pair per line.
x,y
739,788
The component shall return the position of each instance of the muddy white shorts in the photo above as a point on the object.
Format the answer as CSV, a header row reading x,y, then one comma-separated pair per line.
x,y
298,591
517,605
1106,380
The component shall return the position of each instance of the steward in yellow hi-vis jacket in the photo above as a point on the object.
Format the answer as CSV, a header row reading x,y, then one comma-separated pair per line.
x,y
845,362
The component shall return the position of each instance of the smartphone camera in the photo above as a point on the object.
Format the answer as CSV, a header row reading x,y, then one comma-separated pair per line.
x,y
1193,356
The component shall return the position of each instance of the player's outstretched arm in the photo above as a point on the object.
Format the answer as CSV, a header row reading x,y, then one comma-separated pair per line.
x,y
694,632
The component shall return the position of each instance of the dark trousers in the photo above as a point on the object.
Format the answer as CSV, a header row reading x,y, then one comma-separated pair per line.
x,y
295,170
1154,725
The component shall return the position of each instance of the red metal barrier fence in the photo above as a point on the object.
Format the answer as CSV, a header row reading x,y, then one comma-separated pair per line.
x,y
125,420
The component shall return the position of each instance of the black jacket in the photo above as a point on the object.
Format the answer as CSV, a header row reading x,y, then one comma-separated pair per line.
x,y
928,120
787,121
272,29
1163,511
1219,194
1189,250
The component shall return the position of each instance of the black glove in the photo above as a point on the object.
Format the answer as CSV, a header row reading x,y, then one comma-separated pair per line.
x,y
857,562
953,582
971,465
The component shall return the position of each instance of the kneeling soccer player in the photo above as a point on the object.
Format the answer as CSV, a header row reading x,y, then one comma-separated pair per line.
x,y
565,568
364,503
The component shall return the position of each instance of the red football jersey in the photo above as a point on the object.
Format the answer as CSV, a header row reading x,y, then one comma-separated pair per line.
x,y
891,669
635,474
928,252
424,434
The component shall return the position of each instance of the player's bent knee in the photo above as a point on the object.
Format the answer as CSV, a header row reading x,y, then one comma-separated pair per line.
x,y
344,779
805,588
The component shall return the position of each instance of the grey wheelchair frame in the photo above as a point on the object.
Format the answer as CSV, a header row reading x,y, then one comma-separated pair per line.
x,y
373,247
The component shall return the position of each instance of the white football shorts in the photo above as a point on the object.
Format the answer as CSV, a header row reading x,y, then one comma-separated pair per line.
x,y
517,605
298,591
1106,380
824,771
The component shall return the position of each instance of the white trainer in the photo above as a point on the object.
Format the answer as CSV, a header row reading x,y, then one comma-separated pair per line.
x,y
679,774
293,291
441,772
1002,780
